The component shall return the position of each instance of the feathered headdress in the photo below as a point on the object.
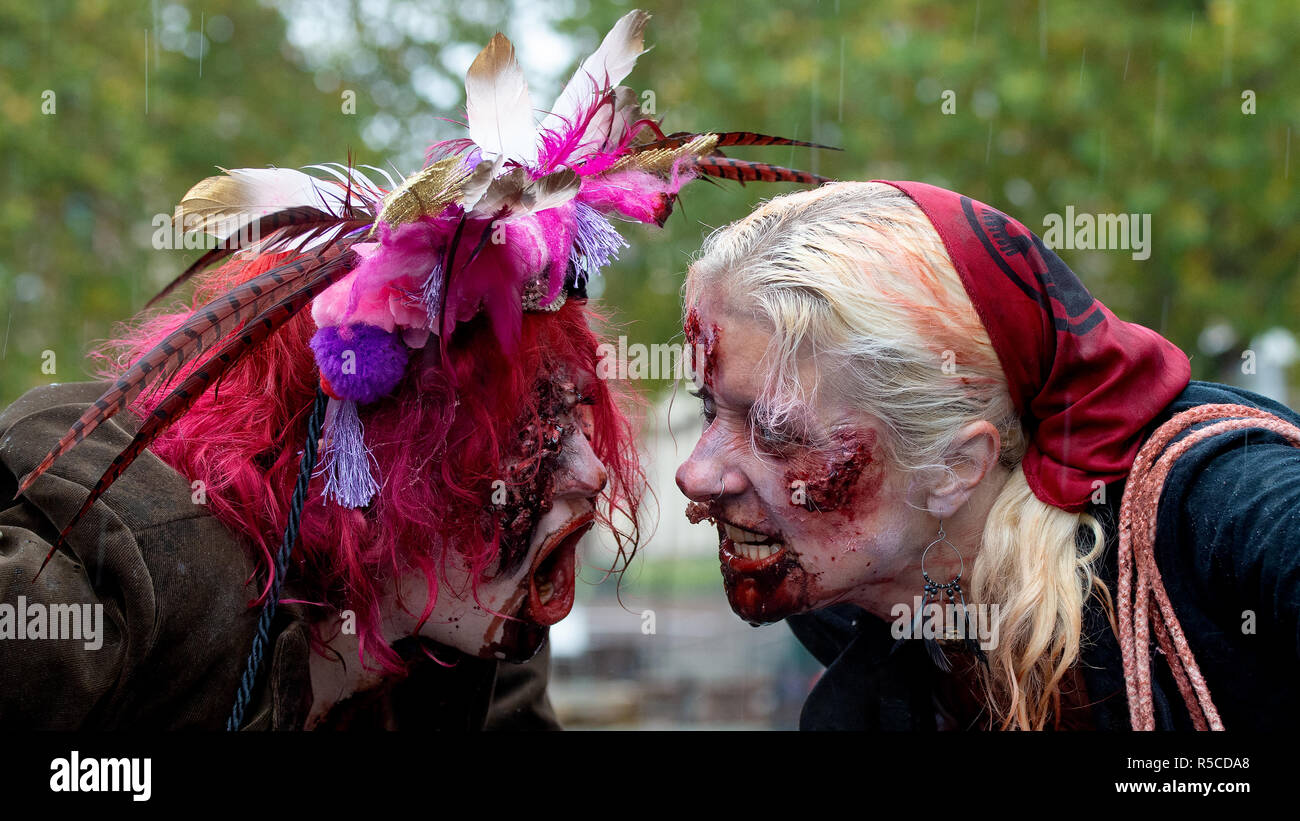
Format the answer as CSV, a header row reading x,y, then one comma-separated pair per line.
x,y
514,217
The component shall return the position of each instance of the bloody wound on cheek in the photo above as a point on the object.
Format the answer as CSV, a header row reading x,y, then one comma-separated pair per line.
x,y
530,479
837,477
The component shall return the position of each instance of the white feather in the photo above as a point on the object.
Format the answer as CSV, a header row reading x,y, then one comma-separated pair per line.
x,y
224,206
273,189
364,190
603,70
387,177
497,105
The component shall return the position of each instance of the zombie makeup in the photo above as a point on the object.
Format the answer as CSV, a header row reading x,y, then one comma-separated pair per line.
x,y
552,481
697,512
529,481
763,579
547,589
702,345
544,597
841,475
807,510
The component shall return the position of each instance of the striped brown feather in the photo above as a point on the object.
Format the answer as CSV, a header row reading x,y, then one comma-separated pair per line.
x,y
293,223
204,376
728,138
745,171
199,332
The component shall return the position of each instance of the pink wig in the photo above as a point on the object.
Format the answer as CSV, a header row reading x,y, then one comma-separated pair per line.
x,y
440,440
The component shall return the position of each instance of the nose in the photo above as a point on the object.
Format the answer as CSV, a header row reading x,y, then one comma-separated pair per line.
x,y
706,475
581,474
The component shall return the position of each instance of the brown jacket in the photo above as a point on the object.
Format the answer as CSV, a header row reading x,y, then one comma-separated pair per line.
x,y
176,622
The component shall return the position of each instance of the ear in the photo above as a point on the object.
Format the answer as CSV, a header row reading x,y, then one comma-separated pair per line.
x,y
974,453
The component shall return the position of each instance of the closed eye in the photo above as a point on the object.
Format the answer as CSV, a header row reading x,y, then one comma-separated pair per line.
x,y
777,442
582,406
708,408
782,433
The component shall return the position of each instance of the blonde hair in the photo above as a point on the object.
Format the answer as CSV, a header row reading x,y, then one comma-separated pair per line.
x,y
854,276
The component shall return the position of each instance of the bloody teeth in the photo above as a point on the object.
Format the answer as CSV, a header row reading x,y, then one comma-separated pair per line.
x,y
544,592
756,551
741,536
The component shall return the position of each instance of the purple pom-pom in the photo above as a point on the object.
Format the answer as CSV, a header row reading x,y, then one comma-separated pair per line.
x,y
361,362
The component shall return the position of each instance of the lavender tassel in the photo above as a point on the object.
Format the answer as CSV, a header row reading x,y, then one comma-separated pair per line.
x,y
595,242
345,460
432,297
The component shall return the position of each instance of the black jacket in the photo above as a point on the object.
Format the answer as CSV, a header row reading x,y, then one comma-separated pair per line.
x,y
1228,549
177,625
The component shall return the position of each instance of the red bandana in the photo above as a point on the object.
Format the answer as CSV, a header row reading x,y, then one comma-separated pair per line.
x,y
1086,384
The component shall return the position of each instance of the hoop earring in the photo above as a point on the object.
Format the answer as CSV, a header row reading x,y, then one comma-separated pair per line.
x,y
954,633
951,588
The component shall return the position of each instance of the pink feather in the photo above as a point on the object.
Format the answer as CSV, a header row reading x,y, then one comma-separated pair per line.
x,y
396,265
637,195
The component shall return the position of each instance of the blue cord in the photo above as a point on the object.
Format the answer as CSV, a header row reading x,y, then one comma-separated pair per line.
x,y
262,636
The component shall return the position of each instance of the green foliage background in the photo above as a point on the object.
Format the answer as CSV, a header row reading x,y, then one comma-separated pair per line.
x,y
1108,107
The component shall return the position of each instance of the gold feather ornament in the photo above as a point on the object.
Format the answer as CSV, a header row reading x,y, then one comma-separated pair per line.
x,y
426,193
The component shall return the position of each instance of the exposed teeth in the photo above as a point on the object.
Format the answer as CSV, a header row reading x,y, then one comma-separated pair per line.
x,y
544,591
756,551
741,536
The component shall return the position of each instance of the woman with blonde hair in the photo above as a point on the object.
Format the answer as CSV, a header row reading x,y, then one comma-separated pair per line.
x,y
922,433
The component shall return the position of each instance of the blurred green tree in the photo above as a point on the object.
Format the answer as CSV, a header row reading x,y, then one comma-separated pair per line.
x,y
1104,107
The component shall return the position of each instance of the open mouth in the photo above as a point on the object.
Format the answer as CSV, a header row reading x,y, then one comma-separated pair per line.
x,y
552,580
747,550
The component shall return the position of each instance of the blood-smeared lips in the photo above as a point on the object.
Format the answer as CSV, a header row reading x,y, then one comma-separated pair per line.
x,y
552,579
763,578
